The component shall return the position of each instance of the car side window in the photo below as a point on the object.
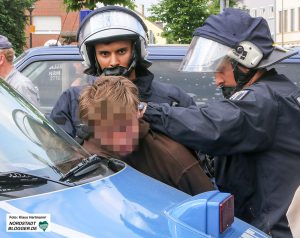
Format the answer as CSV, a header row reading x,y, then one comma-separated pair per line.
x,y
53,77
200,86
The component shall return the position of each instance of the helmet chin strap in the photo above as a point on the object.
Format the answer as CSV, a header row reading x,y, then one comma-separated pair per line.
x,y
116,71
240,77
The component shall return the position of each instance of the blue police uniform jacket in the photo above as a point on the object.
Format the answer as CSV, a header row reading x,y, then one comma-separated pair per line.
x,y
256,136
66,110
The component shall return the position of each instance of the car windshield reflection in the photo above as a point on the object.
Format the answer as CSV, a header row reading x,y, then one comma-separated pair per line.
x,y
29,142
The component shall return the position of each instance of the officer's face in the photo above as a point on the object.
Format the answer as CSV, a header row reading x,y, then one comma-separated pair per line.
x,y
117,53
225,77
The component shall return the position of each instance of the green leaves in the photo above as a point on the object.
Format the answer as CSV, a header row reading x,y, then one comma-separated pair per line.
x,y
181,18
75,5
13,21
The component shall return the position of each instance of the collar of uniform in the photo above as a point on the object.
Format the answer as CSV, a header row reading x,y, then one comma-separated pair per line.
x,y
143,82
144,128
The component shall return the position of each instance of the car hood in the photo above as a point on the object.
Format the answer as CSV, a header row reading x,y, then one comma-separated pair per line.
x,y
127,204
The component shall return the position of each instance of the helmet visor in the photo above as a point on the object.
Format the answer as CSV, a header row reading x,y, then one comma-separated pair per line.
x,y
204,55
108,23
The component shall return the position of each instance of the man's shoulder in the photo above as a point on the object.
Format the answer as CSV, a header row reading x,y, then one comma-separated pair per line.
x,y
73,92
18,80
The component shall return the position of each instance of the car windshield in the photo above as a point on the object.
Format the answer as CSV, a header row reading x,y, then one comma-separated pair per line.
x,y
30,143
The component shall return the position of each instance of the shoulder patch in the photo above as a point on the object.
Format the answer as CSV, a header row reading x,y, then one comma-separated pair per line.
x,y
239,95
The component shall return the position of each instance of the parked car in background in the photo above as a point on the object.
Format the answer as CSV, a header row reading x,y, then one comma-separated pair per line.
x,y
51,187
55,68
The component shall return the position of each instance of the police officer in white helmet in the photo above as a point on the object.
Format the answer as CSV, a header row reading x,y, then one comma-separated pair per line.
x,y
113,41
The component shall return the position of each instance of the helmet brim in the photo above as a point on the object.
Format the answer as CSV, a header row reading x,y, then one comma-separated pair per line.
x,y
111,35
276,56
204,55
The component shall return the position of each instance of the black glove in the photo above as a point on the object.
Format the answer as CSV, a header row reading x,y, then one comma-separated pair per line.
x,y
82,133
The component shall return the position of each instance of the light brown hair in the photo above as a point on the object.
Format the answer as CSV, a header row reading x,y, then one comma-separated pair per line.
x,y
117,90
9,54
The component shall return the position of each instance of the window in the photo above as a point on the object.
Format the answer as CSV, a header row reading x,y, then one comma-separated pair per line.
x,y
262,12
151,37
298,18
292,20
280,22
271,11
200,86
47,24
254,12
285,20
53,77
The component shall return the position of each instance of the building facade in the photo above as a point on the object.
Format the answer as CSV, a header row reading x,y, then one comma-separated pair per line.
x,y
288,22
283,17
261,8
53,24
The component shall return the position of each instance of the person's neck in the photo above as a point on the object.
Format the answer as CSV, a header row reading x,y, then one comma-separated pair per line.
x,y
132,76
5,70
256,77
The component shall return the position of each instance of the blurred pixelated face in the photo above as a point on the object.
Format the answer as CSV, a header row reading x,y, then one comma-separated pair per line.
x,y
116,128
117,53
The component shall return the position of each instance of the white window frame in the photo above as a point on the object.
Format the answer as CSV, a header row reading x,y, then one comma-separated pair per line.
x,y
47,24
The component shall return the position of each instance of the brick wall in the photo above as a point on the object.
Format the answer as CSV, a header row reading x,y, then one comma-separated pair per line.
x,y
69,22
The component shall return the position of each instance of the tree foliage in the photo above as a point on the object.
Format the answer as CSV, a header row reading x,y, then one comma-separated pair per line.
x,y
75,5
214,7
13,21
181,18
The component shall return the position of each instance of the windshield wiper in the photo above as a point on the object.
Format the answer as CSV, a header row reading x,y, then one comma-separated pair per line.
x,y
85,166
21,178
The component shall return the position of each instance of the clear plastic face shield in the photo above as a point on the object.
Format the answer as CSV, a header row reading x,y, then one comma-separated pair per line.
x,y
205,55
101,25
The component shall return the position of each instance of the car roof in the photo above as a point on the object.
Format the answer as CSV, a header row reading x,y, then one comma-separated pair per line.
x,y
155,52
49,50
71,52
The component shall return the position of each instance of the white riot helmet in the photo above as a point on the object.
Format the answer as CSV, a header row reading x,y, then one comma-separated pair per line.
x,y
108,24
